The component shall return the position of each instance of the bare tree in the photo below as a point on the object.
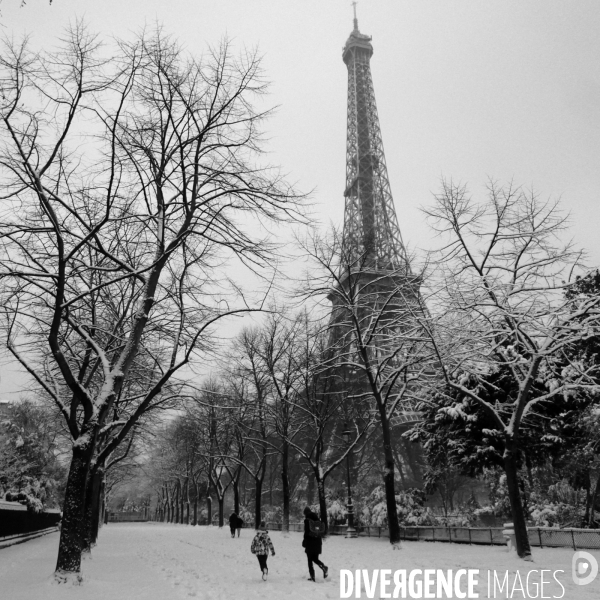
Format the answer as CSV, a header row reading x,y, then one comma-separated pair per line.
x,y
210,427
253,423
122,179
377,346
280,354
321,409
501,304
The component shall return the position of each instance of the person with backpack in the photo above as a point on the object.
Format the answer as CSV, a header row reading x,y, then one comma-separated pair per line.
x,y
261,544
312,542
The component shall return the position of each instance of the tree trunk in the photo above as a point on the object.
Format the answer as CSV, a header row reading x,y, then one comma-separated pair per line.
x,y
236,495
399,462
196,494
243,480
187,500
285,487
529,468
310,489
102,498
72,527
257,501
209,509
588,500
180,504
388,478
96,505
221,499
595,491
322,503
88,516
514,495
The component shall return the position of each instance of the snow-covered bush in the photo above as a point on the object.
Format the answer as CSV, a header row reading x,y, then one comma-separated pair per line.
x,y
336,508
548,505
271,514
557,505
336,511
246,514
499,504
409,503
554,515
28,499
30,472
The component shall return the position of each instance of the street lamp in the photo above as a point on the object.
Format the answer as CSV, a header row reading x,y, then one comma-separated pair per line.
x,y
350,531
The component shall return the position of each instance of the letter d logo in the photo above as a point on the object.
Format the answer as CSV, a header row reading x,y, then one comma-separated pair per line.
x,y
585,568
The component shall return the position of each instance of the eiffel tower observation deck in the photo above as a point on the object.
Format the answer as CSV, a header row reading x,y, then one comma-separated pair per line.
x,y
373,264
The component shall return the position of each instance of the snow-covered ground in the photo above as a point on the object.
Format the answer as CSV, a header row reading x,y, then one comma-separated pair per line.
x,y
164,562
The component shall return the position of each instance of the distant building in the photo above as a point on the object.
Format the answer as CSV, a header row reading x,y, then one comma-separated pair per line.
x,y
4,408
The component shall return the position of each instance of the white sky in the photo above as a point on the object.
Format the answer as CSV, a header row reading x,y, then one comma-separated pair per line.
x,y
467,89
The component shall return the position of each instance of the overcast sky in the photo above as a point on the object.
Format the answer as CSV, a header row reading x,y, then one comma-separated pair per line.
x,y
468,89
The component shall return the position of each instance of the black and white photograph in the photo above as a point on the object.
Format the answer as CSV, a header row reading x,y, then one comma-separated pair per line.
x,y
299,299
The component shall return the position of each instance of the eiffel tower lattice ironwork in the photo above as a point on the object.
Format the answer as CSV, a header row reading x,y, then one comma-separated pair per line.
x,y
371,227
372,245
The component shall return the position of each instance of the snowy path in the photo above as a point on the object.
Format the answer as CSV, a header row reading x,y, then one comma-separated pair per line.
x,y
164,562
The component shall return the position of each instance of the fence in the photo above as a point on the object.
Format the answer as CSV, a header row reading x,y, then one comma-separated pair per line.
x,y
19,524
543,537
127,517
538,536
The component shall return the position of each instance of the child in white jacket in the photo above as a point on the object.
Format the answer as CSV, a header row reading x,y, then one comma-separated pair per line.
x,y
261,544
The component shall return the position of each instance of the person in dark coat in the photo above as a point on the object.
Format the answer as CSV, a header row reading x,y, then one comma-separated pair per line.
x,y
233,524
239,523
312,545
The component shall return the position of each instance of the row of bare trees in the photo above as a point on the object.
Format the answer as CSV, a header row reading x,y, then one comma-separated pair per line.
x,y
498,298
129,174
275,405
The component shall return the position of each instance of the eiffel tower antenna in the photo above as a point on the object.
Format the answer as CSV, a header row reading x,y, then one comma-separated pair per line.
x,y
355,19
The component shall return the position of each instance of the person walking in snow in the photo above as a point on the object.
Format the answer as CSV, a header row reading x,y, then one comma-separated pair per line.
x,y
261,544
312,542
239,524
233,523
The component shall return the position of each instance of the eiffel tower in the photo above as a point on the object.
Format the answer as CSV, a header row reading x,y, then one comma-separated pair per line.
x,y
371,227
374,255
